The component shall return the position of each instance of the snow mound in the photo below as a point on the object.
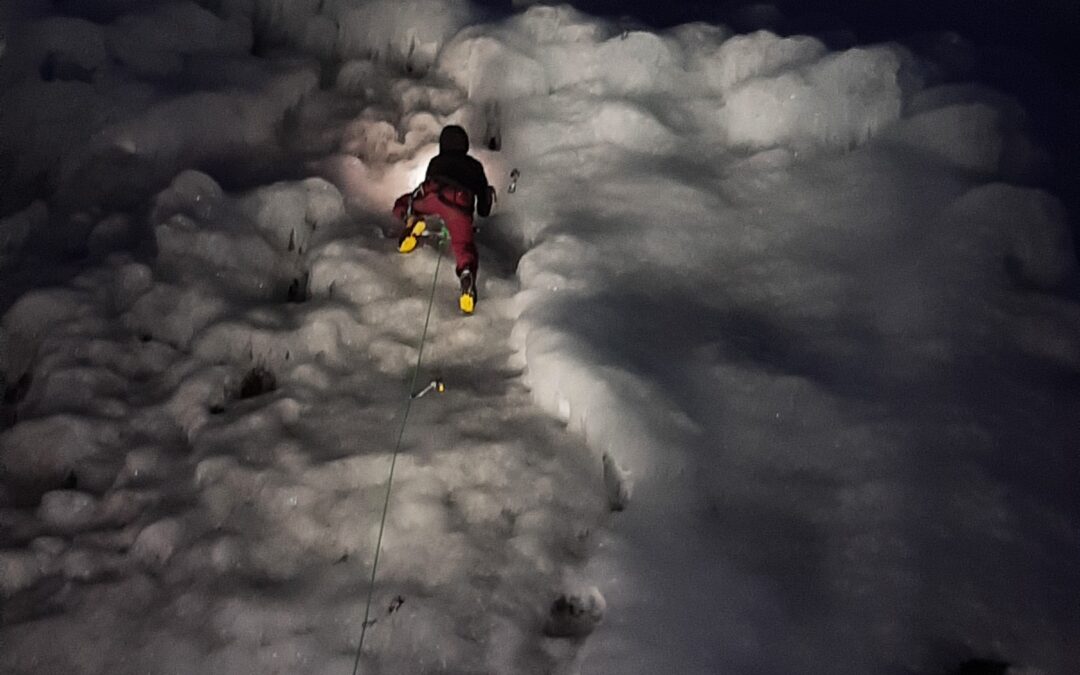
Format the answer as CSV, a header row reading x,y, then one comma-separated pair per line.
x,y
530,57
130,282
45,451
576,124
64,48
171,314
157,542
83,120
592,402
191,193
560,24
1012,234
17,228
68,510
85,390
289,213
45,122
255,245
43,314
18,570
328,334
839,101
407,33
487,68
967,136
630,64
206,125
972,129
244,262
378,142
352,273
699,41
154,42
757,55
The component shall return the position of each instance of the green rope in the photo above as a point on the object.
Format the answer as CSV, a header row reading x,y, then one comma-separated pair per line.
x,y
397,448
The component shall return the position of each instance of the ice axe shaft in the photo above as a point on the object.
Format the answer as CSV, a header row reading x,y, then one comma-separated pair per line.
x,y
435,385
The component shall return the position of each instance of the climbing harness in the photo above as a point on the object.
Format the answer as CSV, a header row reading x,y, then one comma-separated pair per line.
x,y
437,385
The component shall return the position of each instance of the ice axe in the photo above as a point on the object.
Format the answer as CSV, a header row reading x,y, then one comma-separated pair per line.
x,y
435,385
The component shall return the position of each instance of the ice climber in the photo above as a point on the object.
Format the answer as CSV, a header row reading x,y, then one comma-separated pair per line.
x,y
455,185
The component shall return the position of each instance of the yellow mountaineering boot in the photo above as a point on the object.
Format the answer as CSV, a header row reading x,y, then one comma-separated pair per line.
x,y
414,227
467,302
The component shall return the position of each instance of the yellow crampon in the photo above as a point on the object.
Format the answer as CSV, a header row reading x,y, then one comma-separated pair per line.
x,y
413,229
467,303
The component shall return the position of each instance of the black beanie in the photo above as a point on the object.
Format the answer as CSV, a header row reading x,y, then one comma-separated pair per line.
x,y
453,139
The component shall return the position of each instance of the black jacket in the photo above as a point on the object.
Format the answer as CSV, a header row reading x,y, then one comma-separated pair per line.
x,y
458,169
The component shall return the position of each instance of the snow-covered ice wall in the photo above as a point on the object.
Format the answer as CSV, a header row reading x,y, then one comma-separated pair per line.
x,y
790,299
810,311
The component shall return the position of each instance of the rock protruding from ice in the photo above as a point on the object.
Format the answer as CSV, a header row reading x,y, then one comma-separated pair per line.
x,y
575,615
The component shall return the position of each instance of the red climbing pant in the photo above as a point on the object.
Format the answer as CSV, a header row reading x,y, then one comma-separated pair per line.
x,y
457,221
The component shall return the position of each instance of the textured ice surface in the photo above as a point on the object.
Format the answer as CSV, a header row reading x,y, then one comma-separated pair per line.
x,y
244,517
774,367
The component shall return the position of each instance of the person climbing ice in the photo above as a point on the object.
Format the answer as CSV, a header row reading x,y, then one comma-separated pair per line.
x,y
455,185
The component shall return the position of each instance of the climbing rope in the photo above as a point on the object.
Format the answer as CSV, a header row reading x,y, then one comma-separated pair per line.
x,y
442,236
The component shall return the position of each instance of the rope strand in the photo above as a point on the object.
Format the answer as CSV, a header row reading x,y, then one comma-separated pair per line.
x,y
393,459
